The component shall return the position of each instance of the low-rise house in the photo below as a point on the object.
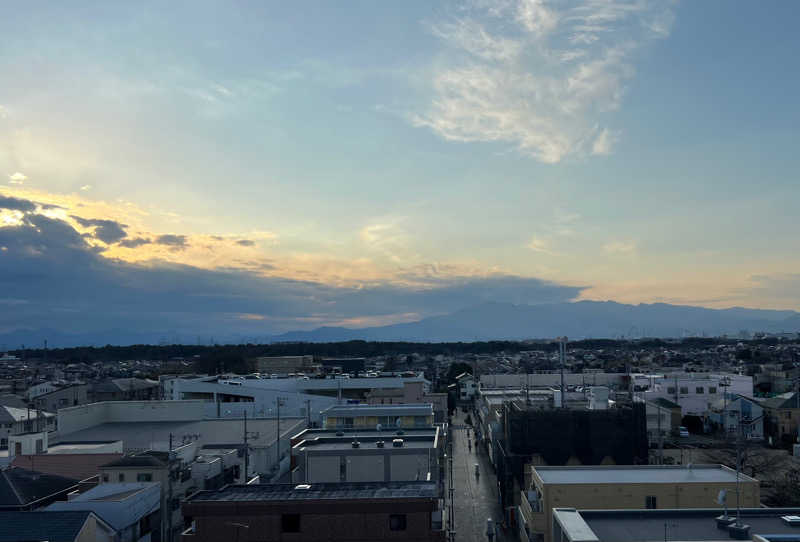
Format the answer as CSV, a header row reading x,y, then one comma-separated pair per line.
x,y
739,413
62,397
783,417
16,421
132,510
124,389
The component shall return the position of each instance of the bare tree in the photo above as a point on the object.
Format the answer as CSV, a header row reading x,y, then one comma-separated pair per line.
x,y
756,460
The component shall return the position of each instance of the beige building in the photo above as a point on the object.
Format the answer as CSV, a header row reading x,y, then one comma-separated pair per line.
x,y
625,487
411,392
374,416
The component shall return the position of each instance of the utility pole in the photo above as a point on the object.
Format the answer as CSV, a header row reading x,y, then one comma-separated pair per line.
x,y
246,450
278,436
168,514
308,412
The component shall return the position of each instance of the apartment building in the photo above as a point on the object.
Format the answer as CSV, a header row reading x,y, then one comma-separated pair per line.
x,y
372,416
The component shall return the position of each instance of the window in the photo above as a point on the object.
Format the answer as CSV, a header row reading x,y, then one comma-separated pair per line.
x,y
671,390
121,477
39,446
62,401
397,522
144,477
290,523
348,422
685,390
712,389
650,502
699,389
787,414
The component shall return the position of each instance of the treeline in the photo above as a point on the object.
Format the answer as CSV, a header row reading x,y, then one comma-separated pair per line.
x,y
345,349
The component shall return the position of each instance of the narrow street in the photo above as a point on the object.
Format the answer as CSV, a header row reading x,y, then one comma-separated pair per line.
x,y
476,498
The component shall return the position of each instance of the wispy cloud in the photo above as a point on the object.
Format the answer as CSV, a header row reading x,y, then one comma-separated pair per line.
x,y
620,247
538,75
538,244
17,178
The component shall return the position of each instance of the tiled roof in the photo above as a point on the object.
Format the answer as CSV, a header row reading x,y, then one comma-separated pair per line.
x,y
50,526
19,487
76,466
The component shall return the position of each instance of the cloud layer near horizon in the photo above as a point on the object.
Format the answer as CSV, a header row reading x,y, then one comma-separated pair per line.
x,y
54,278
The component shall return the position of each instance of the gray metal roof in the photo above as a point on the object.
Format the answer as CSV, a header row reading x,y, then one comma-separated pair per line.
x,y
694,525
323,491
353,411
650,474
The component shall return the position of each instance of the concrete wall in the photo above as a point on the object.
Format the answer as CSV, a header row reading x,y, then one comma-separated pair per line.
x,y
81,417
366,468
356,525
323,469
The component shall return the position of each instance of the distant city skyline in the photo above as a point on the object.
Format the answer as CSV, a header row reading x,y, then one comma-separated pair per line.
x,y
285,166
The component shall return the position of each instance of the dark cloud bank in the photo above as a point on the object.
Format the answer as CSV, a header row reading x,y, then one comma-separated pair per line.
x,y
51,278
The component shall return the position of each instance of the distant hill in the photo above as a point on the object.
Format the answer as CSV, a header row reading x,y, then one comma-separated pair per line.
x,y
490,321
582,319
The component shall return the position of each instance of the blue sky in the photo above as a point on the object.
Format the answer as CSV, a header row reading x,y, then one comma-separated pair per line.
x,y
636,151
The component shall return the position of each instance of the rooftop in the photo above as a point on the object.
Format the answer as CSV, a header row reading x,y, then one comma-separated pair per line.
x,y
687,524
352,411
629,474
50,526
368,443
323,491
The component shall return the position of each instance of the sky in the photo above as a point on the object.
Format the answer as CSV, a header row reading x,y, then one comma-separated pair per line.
x,y
270,166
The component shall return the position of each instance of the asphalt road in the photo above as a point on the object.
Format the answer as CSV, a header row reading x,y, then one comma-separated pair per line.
x,y
475,498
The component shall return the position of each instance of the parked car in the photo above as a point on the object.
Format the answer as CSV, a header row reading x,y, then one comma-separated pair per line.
x,y
683,432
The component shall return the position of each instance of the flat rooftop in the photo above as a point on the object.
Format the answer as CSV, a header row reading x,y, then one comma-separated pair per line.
x,y
689,524
371,433
323,491
353,411
344,443
644,474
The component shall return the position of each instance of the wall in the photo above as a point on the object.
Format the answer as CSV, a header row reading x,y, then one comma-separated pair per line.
x,y
343,521
77,418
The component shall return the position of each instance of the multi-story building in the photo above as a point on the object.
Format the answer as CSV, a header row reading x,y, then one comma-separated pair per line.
x,y
376,416
625,487
688,525
411,392
369,456
401,511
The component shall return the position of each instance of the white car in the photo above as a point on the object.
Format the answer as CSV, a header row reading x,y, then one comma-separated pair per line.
x,y
683,432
